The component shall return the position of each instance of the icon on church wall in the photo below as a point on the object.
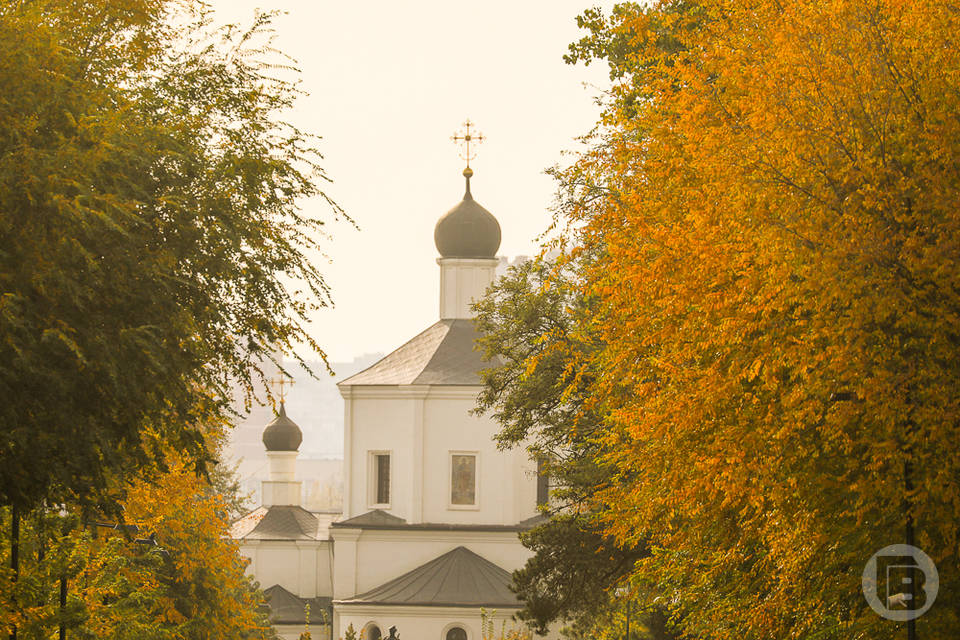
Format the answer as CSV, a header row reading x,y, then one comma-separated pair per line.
x,y
463,490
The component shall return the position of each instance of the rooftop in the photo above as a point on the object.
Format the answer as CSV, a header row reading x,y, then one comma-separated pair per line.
x,y
280,522
443,354
458,578
286,608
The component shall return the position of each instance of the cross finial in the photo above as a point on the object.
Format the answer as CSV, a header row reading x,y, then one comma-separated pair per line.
x,y
281,381
465,138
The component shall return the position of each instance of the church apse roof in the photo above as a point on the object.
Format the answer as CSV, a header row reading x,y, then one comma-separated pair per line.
x,y
458,578
287,608
443,354
279,522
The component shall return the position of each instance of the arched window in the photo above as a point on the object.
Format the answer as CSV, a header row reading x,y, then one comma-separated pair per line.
x,y
372,632
456,633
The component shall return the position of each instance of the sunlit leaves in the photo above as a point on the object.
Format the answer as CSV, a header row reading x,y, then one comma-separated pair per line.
x,y
192,585
771,211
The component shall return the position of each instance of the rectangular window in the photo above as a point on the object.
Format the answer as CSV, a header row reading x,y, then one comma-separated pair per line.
x,y
463,479
381,478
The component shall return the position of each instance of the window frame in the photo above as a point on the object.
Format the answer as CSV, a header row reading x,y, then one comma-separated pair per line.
x,y
373,479
447,629
476,481
366,629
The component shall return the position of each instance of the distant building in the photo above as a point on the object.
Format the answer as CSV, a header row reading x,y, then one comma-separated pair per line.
x,y
428,534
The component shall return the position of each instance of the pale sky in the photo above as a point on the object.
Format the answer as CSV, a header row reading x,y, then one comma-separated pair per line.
x,y
389,83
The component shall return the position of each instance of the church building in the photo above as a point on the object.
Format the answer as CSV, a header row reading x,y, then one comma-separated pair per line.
x,y
432,509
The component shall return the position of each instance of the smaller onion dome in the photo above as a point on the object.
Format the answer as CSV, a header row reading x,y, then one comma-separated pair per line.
x,y
468,230
282,434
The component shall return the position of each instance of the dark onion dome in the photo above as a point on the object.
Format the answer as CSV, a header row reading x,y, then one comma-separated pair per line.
x,y
282,434
468,230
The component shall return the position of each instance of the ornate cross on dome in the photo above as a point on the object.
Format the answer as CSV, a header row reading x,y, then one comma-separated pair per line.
x,y
465,137
280,382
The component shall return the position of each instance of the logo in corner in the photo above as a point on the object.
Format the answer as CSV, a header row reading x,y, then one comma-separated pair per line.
x,y
900,582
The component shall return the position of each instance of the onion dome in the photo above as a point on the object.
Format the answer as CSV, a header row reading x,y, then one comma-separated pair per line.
x,y
282,434
468,230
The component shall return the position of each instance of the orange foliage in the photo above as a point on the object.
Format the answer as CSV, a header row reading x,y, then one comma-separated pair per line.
x,y
778,297
192,585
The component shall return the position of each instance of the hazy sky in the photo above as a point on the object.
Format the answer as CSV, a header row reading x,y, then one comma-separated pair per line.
x,y
389,82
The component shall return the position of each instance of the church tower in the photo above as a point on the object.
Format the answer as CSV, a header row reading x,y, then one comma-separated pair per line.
x,y
288,547
432,509
282,439
467,238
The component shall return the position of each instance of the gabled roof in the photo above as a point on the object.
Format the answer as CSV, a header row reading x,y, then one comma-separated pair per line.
x,y
246,523
443,354
458,578
284,522
375,518
286,608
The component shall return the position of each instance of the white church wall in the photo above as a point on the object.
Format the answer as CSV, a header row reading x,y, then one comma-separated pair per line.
x,y
525,491
506,492
324,574
380,424
276,563
366,559
449,430
301,567
420,427
462,282
416,623
345,564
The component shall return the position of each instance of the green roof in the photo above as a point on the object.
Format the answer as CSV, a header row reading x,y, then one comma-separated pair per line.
x,y
285,522
458,578
287,608
442,354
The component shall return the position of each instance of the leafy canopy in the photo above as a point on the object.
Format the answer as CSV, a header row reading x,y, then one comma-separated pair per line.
x,y
149,233
535,322
769,216
193,585
765,235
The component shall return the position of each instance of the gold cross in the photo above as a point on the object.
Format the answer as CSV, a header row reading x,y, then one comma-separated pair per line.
x,y
280,382
464,138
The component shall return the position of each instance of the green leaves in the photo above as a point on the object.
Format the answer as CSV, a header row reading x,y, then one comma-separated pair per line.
x,y
192,585
149,224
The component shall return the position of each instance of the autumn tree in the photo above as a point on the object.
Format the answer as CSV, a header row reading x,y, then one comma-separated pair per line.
x,y
769,218
149,230
532,322
179,575
535,324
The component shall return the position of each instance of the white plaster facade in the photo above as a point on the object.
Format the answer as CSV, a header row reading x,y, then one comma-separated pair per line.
x,y
302,567
462,282
420,427
414,623
413,406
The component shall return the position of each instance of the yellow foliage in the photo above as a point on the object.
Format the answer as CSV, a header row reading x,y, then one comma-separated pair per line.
x,y
777,279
